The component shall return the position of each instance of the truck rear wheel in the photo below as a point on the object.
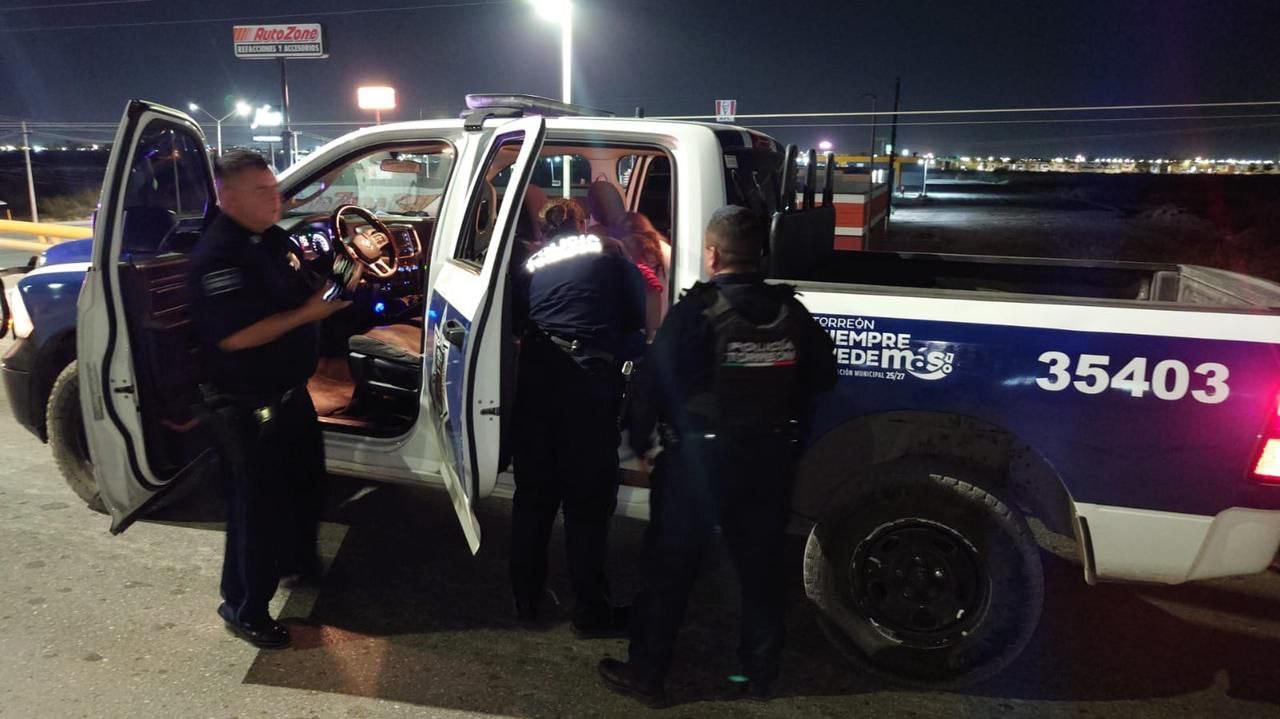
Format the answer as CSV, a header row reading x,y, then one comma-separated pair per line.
x,y
923,577
67,438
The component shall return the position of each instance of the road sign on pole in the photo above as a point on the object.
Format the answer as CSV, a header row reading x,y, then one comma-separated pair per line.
x,y
726,110
301,41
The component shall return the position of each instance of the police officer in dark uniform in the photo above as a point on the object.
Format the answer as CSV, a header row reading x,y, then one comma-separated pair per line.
x,y
255,312
730,376
580,308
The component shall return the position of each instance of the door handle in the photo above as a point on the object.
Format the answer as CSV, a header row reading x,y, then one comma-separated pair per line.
x,y
455,333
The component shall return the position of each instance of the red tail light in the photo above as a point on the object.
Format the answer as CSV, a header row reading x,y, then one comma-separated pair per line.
x,y
1267,467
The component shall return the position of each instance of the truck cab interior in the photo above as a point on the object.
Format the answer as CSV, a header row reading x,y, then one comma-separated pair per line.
x,y
369,378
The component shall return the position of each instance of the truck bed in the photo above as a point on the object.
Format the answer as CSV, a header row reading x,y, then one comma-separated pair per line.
x,y
1115,281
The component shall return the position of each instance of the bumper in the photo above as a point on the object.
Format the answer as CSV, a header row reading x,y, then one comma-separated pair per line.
x,y
1148,546
18,381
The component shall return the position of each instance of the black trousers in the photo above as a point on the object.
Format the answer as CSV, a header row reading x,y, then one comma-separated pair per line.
x,y
566,456
744,486
273,479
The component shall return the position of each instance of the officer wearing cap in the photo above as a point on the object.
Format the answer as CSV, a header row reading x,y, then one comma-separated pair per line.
x,y
580,310
729,376
255,312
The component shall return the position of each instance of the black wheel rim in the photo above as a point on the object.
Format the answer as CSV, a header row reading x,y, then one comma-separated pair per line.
x,y
919,582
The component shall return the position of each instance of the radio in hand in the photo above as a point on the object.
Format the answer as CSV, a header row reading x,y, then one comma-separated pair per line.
x,y
341,281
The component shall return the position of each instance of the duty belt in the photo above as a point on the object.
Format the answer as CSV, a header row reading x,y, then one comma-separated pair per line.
x,y
575,348
263,404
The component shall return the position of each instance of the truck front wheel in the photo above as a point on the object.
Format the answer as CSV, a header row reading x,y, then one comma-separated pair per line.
x,y
67,438
924,577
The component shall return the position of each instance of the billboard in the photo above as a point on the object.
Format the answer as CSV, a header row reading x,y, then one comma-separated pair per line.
x,y
264,42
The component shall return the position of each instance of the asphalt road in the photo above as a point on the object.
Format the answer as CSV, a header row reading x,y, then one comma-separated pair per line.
x,y
409,624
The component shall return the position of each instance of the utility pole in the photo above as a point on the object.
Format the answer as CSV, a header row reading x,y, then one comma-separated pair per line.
x,y
288,144
893,145
31,183
871,156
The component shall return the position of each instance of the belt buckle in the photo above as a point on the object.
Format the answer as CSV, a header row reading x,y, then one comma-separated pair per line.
x,y
263,414
576,347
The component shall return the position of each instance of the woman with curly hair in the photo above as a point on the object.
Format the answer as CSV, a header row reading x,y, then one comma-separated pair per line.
x,y
651,253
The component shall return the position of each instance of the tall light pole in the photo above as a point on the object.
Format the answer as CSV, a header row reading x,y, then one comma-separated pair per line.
x,y
242,109
31,183
561,11
871,158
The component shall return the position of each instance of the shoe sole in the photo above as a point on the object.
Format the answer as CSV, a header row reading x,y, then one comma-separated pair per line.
x,y
259,644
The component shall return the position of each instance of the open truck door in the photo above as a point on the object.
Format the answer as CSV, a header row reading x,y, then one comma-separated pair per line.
x,y
136,352
469,347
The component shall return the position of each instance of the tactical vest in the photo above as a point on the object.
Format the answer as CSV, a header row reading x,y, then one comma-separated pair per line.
x,y
754,379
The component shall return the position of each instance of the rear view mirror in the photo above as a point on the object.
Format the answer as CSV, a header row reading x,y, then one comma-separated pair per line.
x,y
404,167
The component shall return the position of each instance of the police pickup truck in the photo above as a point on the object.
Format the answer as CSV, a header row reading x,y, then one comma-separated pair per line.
x,y
1129,407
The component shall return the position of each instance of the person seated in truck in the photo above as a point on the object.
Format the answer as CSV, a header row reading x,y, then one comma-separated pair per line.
x,y
651,253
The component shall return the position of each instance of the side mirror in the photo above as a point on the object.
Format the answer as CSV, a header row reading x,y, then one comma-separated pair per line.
x,y
4,310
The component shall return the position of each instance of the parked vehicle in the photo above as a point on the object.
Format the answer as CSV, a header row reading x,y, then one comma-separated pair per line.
x,y
1130,407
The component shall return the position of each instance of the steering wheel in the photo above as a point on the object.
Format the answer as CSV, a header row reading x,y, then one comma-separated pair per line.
x,y
370,245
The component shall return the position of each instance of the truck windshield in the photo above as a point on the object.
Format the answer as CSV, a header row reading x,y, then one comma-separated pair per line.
x,y
407,181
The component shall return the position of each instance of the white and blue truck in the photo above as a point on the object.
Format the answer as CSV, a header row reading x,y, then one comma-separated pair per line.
x,y
1132,408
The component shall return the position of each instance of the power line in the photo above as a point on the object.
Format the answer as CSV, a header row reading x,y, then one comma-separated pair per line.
x,y
73,4
1054,121
1081,108
259,18
1048,121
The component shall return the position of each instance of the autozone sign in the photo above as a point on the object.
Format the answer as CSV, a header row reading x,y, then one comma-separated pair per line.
x,y
260,42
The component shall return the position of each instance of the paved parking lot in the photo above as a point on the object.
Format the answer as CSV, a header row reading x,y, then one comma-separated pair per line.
x,y
409,624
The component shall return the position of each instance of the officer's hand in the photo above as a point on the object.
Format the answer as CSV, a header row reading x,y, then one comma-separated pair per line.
x,y
317,308
651,457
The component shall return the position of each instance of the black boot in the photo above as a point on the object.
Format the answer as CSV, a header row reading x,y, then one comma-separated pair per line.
x,y
622,677
264,634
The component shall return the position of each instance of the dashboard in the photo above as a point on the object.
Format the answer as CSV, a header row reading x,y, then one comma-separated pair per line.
x,y
313,235
313,241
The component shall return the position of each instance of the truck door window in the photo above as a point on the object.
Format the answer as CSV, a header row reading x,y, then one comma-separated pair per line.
x,y
483,213
626,164
167,189
655,196
548,174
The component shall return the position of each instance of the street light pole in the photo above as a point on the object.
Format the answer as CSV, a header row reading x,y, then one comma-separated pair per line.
x,y
566,54
31,183
561,11
566,82
242,109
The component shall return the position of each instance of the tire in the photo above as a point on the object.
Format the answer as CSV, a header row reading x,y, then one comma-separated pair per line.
x,y
67,439
923,577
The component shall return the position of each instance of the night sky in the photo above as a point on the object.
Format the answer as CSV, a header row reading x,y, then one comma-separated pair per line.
x,y
677,57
